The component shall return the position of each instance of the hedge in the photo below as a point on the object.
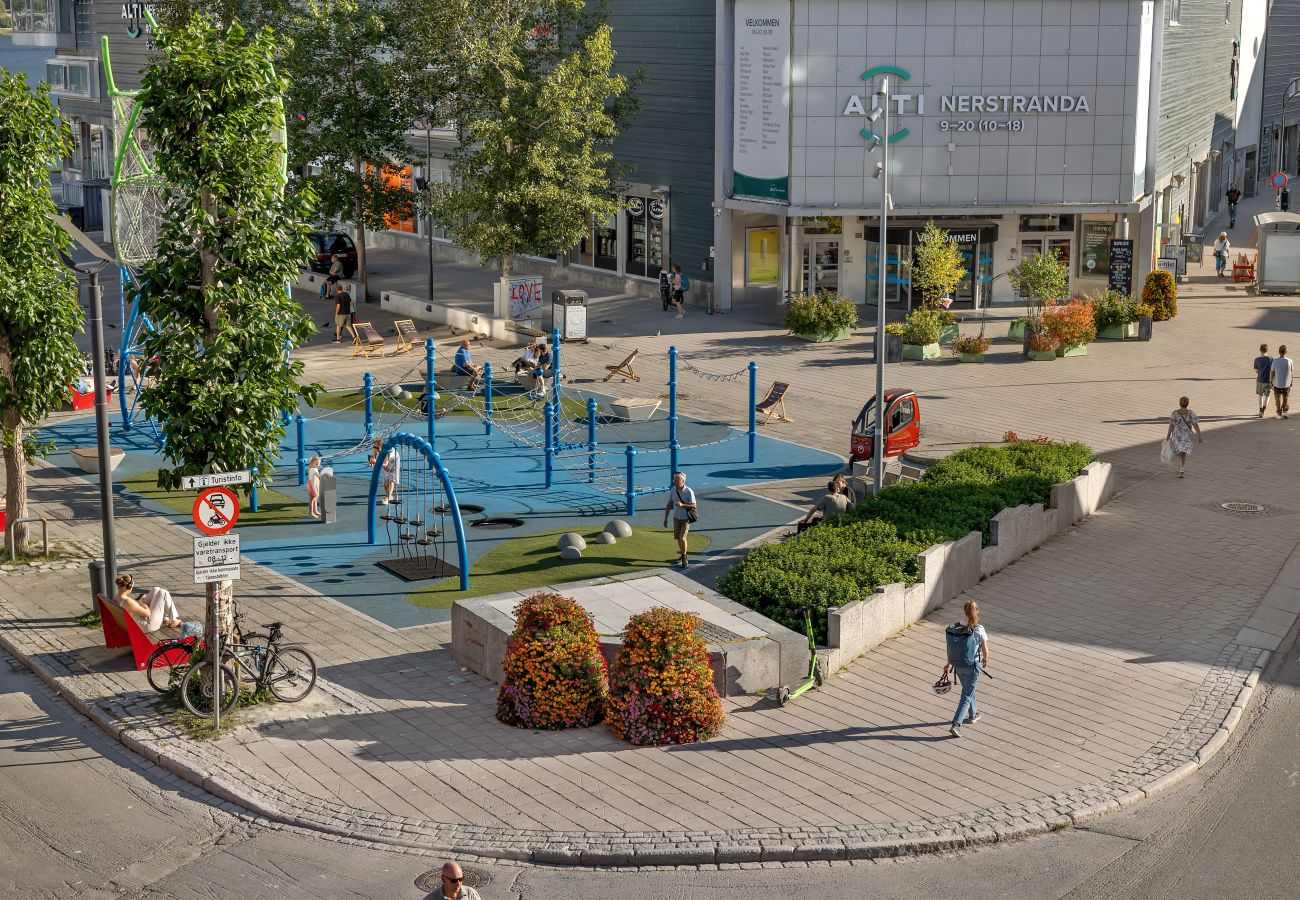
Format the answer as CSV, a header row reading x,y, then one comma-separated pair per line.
x,y
876,542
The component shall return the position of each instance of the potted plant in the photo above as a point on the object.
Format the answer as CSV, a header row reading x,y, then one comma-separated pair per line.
x,y
1039,279
1042,346
1016,330
1114,314
971,347
894,342
1161,293
823,316
921,331
1072,325
937,268
1144,320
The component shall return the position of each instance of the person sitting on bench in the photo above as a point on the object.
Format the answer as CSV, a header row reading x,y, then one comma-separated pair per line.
x,y
151,610
541,371
526,361
836,502
464,365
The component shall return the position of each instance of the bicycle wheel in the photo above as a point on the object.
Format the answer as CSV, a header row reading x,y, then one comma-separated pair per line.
x,y
196,690
168,663
291,674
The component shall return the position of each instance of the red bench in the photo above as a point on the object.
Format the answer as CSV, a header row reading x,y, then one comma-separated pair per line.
x,y
120,630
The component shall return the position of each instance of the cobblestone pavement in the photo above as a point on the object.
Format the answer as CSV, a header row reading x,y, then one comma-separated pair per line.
x,y
1121,651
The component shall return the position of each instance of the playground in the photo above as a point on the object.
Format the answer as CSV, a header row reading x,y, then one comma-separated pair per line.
x,y
521,476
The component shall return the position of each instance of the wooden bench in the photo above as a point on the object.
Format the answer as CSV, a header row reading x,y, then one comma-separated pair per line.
x,y
774,403
407,336
120,630
366,341
624,368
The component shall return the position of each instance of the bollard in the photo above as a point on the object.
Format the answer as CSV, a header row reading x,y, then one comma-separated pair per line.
x,y
429,392
630,494
487,398
548,416
329,496
753,410
591,439
301,425
556,376
368,385
672,411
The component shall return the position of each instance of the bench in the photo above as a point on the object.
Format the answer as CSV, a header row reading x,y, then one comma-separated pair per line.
x,y
366,341
624,368
120,630
635,409
774,403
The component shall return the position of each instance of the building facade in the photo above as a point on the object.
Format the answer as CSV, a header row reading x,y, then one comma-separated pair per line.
x,y
1052,126
1279,134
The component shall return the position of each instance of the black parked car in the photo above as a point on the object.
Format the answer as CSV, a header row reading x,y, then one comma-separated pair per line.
x,y
326,245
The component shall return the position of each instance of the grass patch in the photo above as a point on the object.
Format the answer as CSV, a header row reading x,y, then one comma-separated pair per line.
x,y
532,562
275,508
466,404
90,618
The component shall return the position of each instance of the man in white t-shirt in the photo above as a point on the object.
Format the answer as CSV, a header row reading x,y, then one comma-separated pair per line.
x,y
1280,378
681,503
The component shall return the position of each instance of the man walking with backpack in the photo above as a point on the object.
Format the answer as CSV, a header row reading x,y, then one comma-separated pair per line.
x,y
681,284
1234,197
968,654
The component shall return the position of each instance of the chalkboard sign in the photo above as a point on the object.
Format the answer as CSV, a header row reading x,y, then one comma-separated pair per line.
x,y
1121,266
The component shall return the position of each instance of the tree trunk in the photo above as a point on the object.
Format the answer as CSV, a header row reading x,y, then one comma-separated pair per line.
x,y
15,462
359,220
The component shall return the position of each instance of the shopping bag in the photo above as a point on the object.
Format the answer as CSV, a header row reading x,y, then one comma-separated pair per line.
x,y
1167,452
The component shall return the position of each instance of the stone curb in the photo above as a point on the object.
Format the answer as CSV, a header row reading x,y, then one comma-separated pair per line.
x,y
258,802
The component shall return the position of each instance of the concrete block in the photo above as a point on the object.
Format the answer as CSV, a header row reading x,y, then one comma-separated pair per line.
x,y
751,667
571,539
618,528
606,538
571,553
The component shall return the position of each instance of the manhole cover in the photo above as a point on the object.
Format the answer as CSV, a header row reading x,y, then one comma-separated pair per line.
x,y
432,879
1241,507
498,522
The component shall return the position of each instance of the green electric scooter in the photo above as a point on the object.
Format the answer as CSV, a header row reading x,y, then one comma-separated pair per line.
x,y
816,666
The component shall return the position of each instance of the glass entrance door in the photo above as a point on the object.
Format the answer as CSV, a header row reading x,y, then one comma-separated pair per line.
x,y
821,264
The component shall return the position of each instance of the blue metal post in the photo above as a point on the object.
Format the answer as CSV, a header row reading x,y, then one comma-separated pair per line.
x,y
555,368
753,410
548,416
429,391
368,385
672,412
630,494
487,398
456,521
591,439
301,424
252,497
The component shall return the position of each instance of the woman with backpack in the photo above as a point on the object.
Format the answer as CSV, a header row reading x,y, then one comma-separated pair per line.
x,y
681,284
968,653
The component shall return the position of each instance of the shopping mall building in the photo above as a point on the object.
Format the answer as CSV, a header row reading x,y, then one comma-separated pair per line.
x,y
1020,127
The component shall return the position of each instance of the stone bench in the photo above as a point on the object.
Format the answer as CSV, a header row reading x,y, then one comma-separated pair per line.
x,y
635,409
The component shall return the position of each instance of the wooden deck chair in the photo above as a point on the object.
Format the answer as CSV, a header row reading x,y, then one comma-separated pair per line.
x,y
407,336
774,403
365,340
624,368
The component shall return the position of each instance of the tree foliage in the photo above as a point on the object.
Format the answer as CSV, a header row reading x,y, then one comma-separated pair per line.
x,y
39,316
1041,277
229,243
937,266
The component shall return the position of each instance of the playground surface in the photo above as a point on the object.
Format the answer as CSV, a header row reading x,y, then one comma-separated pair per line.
x,y
501,473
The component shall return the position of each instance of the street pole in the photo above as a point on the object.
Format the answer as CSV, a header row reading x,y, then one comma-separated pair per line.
x,y
428,190
101,430
878,444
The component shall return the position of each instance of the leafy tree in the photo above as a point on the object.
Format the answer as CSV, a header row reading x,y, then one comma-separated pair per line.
x,y
1040,278
229,242
534,95
39,316
937,266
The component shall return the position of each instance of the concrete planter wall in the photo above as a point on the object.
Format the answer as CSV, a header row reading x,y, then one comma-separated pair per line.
x,y
824,337
1041,355
461,319
948,569
1072,350
921,351
1119,332
1016,331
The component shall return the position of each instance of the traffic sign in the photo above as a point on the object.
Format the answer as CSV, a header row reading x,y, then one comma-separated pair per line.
x,y
216,511
214,479
216,558
1278,180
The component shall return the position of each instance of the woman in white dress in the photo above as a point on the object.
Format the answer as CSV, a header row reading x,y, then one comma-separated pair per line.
x,y
1182,422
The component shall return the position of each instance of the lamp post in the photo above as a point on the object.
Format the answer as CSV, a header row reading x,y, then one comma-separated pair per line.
x,y
882,172
1291,90
96,323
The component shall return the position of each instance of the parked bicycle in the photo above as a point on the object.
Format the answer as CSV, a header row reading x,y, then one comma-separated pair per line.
x,y
287,671
170,660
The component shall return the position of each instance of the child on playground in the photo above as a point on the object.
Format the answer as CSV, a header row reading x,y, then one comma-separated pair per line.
x,y
391,472
313,487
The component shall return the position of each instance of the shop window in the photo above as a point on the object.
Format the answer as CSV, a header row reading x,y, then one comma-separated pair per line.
x,y
1047,223
645,236
823,225
762,256
605,239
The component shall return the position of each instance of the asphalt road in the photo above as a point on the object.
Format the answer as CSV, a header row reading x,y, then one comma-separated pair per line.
x,y
82,817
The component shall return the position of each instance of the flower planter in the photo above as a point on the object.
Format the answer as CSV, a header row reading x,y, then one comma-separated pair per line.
x,y
1144,328
893,347
949,334
1016,331
1072,350
1042,355
921,351
824,337
972,357
1119,332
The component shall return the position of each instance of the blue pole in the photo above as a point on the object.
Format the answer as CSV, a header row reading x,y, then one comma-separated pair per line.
x,y
591,439
252,498
456,521
631,480
548,415
368,385
429,391
301,424
487,398
753,410
555,367
672,411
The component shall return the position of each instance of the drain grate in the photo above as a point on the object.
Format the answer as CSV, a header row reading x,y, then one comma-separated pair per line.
x,y
432,879
1240,506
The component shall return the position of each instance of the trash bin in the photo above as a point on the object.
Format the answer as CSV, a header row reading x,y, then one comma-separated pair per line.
x,y
569,314
97,585
329,496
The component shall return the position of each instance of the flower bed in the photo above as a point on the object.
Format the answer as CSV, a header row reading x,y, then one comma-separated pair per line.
x,y
555,675
877,542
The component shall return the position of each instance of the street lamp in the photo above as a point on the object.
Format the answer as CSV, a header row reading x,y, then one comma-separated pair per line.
x,y
1291,90
91,270
428,180
882,172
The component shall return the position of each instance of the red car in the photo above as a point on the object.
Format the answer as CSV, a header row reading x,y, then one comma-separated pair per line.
x,y
904,419
326,244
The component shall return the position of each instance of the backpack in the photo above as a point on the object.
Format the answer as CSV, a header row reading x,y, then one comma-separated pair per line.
x,y
686,282
963,645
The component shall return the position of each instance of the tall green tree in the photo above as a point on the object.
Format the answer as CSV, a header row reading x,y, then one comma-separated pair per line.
x,y
535,97
937,266
39,316
229,243
1040,278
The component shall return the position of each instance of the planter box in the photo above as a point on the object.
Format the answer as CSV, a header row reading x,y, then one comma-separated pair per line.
x,y
1119,332
1072,350
1144,328
921,351
824,337
1016,331
949,334
972,357
87,458
893,348
1042,355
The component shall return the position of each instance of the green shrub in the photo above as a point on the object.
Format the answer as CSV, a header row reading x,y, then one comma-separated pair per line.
x,y
824,312
1111,309
922,326
1160,292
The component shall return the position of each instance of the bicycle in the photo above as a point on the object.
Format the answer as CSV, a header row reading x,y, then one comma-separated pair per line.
x,y
288,672
170,660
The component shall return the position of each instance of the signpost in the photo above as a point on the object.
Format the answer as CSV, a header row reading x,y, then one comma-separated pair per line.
x,y
216,558
214,479
1278,180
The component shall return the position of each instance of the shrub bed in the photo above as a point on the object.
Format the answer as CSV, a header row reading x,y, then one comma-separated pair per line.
x,y
555,675
661,684
876,542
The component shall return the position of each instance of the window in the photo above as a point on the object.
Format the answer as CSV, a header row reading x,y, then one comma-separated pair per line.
x,y
56,75
1175,11
77,80
69,75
